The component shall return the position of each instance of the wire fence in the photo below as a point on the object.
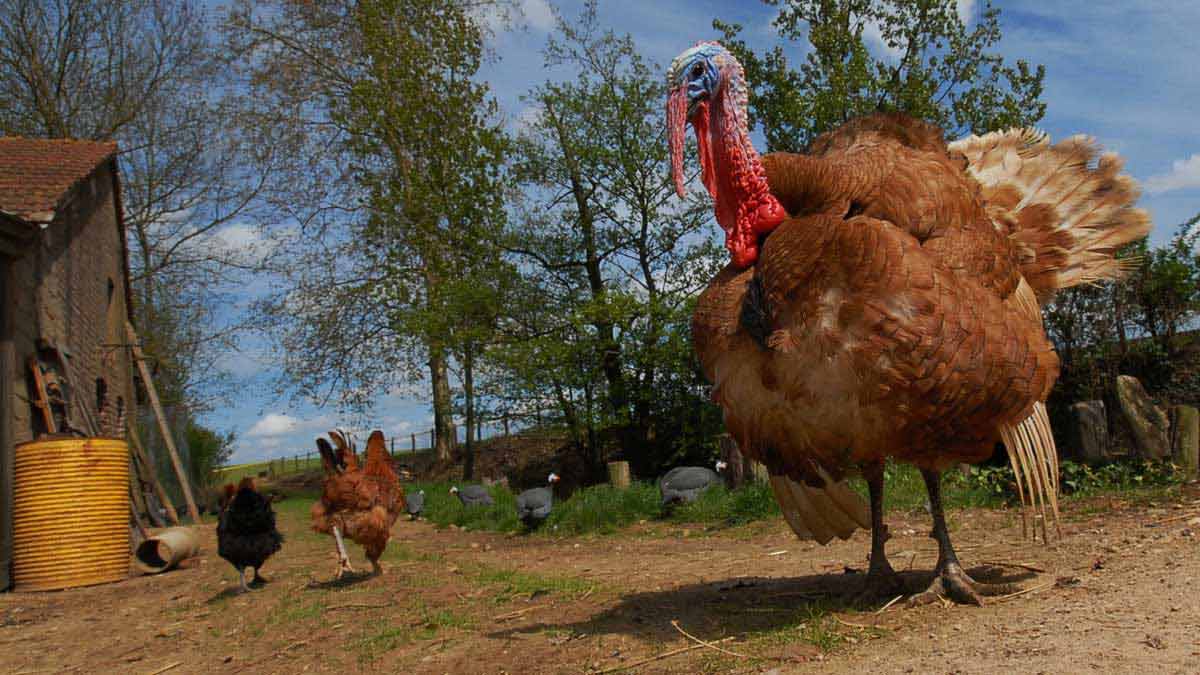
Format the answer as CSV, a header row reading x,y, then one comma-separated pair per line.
x,y
398,446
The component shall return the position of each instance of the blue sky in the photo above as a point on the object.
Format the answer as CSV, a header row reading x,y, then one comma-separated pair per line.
x,y
1120,71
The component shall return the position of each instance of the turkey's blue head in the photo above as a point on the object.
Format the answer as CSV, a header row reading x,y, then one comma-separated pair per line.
x,y
708,91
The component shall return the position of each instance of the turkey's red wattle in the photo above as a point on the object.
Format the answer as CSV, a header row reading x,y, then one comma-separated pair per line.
x,y
735,177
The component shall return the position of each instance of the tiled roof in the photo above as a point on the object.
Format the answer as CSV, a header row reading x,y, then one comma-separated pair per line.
x,y
36,173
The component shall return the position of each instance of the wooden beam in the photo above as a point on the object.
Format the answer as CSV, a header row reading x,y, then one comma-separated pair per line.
x,y
168,439
39,390
136,444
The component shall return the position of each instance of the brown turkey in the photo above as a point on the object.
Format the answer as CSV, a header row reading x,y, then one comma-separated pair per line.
x,y
883,301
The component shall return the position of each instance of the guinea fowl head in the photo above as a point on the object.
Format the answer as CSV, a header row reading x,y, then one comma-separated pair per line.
x,y
721,465
553,478
708,90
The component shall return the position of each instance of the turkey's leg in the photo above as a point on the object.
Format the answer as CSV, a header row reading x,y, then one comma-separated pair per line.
x,y
242,580
258,578
882,581
949,578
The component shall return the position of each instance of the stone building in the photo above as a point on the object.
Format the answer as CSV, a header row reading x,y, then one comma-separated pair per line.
x,y
64,285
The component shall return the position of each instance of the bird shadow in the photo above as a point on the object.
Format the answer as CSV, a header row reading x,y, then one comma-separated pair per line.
x,y
740,605
345,581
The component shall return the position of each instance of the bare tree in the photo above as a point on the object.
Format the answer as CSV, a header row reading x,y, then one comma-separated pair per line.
x,y
147,74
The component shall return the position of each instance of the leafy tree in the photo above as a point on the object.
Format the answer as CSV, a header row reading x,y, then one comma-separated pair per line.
x,y
387,87
936,67
207,450
1165,289
611,256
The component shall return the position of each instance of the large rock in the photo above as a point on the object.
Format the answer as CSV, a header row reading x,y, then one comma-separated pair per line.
x,y
1185,439
1148,422
1088,432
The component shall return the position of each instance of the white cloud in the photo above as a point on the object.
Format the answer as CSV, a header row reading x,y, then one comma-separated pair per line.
x,y
966,11
538,13
274,424
1184,174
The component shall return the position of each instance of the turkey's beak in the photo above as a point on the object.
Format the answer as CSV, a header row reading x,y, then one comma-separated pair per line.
x,y
678,113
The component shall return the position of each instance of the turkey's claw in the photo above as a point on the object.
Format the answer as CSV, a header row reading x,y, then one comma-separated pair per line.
x,y
953,583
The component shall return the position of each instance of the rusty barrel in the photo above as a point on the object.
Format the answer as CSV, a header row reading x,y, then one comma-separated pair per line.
x,y
70,513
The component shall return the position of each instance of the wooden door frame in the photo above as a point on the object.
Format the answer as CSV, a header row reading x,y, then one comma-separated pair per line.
x,y
7,375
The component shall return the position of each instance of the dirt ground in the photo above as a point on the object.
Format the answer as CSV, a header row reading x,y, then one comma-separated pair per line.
x,y
1117,594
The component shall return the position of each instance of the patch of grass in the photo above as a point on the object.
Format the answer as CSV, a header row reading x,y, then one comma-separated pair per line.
x,y
599,509
603,509
444,509
374,642
513,583
754,501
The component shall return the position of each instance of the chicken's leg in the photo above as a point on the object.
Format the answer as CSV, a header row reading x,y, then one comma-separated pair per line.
x,y
242,580
882,581
343,558
949,578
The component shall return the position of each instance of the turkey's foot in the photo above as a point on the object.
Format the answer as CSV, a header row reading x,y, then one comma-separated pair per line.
x,y
953,583
881,585
259,579
376,568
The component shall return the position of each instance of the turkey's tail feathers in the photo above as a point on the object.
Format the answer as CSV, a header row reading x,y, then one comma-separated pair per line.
x,y
821,513
1034,460
1066,206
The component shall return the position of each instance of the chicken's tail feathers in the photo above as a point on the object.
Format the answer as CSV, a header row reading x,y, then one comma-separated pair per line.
x,y
329,459
227,494
1066,206
1034,459
346,456
379,462
822,513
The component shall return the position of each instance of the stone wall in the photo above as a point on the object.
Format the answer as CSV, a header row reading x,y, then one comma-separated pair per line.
x,y
69,288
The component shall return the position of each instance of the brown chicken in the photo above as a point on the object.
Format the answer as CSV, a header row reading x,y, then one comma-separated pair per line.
x,y
883,301
361,504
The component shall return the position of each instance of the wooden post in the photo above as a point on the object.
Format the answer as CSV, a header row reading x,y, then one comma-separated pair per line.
x,y
168,439
140,451
735,469
414,442
506,425
432,443
618,474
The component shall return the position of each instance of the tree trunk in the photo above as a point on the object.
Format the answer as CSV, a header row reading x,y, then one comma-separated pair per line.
x,y
443,422
469,395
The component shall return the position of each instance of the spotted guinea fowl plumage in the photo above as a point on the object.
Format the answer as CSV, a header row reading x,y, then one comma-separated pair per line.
x,y
534,505
473,495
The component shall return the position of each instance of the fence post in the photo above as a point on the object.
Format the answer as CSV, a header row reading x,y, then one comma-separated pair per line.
x,y
618,474
506,424
414,442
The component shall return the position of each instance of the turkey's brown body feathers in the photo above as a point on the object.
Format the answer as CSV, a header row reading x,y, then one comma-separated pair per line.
x,y
898,323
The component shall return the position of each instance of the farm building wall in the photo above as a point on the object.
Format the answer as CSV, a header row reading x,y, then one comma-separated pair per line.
x,y
68,288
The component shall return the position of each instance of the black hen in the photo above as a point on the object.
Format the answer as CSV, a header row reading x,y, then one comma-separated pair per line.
x,y
246,534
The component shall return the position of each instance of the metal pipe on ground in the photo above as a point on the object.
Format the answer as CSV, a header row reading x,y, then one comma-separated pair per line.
x,y
166,549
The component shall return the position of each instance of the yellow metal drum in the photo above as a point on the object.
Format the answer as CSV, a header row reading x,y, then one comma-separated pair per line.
x,y
70,513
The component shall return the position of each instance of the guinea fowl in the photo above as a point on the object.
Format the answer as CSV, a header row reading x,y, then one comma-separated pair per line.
x,y
415,504
534,504
246,534
472,495
883,301
684,484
